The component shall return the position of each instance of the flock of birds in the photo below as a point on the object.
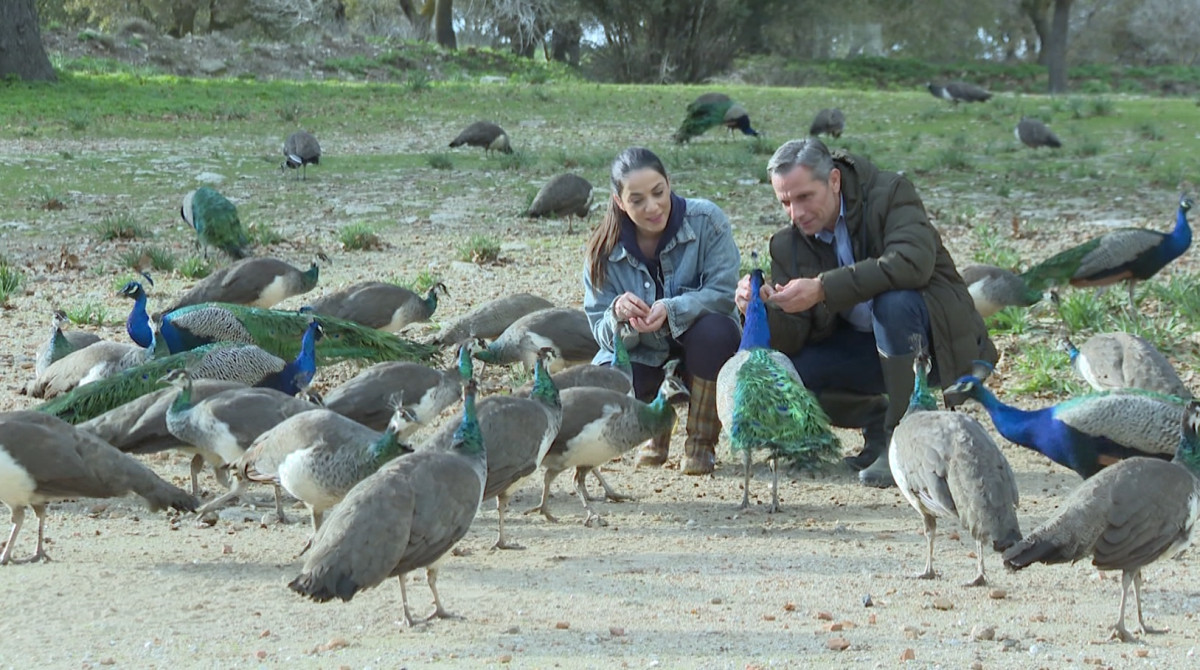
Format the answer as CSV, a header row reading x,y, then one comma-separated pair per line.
x,y
221,375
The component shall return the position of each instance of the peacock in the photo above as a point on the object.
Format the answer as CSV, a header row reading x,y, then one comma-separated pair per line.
x,y
138,324
710,110
564,330
566,195
1035,134
380,305
1137,512
764,405
1113,361
257,282
1085,433
1124,254
300,150
60,343
958,91
483,134
946,465
491,318
828,121
279,332
216,222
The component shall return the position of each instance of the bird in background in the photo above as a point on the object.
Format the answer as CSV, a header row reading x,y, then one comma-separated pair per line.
x,y
300,150
255,282
485,134
406,516
1127,517
60,343
1114,361
488,320
216,222
1123,255
828,121
1035,134
764,405
279,332
566,195
711,110
381,305
946,465
958,91
1085,433
993,288
564,330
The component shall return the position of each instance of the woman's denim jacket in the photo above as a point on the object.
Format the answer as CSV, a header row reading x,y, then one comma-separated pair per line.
x,y
700,273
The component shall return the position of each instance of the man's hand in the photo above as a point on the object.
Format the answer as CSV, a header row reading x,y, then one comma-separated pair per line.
x,y
653,321
798,295
742,297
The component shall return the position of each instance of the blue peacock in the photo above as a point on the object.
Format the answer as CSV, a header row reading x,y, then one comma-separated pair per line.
x,y
137,324
711,110
1124,254
216,222
764,405
1085,433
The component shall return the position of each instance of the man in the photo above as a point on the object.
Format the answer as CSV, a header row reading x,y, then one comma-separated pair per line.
x,y
857,275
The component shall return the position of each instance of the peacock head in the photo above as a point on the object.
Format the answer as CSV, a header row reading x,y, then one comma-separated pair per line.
x,y
466,354
672,389
968,386
1188,452
1185,203
179,378
60,319
1069,347
314,327
403,418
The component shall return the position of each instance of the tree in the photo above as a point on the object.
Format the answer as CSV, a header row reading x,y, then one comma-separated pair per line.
x,y
1056,57
21,50
1038,12
439,13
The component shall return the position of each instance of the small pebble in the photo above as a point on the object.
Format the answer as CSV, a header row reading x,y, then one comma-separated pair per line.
x,y
838,644
505,658
1141,653
942,603
834,627
512,630
260,654
871,619
982,632
227,549
562,625
911,632
616,631
997,594
867,602
824,616
335,643
715,601
976,666
908,655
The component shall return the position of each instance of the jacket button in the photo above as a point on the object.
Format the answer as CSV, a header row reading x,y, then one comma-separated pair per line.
x,y
647,284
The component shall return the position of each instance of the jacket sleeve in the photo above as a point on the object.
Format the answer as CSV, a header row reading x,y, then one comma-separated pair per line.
x,y
909,248
719,265
789,332
598,305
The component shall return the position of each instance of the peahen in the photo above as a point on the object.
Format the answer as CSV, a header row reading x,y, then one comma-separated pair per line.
x,y
490,319
216,222
566,195
1137,512
256,282
380,305
1035,134
946,465
43,460
993,288
1113,361
764,405
300,150
710,110
405,516
485,134
564,330
371,396
279,332
828,121
1085,433
60,343
1124,254
958,91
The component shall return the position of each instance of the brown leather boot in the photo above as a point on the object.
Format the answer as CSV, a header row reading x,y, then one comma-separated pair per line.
x,y
654,452
703,429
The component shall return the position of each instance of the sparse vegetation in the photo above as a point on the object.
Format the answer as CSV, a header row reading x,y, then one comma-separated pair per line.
x,y
420,283
149,258
120,227
359,237
263,235
440,161
89,313
10,280
195,267
479,249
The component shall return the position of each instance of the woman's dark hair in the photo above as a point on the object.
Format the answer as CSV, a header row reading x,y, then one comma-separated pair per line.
x,y
604,237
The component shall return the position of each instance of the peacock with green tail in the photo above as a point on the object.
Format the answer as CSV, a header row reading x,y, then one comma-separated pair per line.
x,y
216,222
710,110
764,405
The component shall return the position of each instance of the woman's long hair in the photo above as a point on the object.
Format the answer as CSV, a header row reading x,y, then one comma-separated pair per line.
x,y
604,238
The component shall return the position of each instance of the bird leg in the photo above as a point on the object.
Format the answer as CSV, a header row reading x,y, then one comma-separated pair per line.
x,y
930,532
980,579
238,488
746,479
1133,310
39,553
196,466
774,486
18,518
501,541
609,493
317,518
408,620
544,507
1137,601
1119,632
439,612
279,508
593,517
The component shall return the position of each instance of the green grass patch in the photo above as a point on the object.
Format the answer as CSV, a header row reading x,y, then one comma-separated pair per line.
x,y
479,249
89,313
440,161
120,227
10,280
195,267
263,235
1043,368
359,237
422,282
149,258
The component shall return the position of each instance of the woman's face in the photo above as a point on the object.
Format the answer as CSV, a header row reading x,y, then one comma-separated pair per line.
x,y
646,198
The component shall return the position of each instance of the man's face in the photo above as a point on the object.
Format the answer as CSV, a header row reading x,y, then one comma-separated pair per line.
x,y
811,204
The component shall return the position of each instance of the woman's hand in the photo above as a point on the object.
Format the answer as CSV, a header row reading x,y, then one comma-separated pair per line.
x,y
655,318
628,306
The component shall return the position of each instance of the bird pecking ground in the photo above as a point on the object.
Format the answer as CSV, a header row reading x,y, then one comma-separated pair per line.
x,y
679,577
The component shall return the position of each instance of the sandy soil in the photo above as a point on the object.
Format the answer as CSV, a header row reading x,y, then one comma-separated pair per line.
x,y
679,577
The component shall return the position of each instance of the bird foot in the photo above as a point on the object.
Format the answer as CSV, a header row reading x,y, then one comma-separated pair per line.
x,y
505,544
545,512
594,520
439,613
1119,633
305,548
774,509
928,574
39,557
979,580
1146,630
618,497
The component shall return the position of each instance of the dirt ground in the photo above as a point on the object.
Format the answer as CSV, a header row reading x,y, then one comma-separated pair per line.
x,y
678,579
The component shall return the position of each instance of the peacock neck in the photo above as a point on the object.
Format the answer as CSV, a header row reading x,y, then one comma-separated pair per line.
x,y
621,355
922,399
468,438
138,323
656,413
544,389
183,400
431,301
309,277
755,332
1016,425
386,447
1180,237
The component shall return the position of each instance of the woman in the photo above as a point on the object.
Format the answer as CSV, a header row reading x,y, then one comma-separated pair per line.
x,y
667,266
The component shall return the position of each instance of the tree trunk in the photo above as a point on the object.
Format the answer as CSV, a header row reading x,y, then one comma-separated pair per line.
x,y
183,17
21,50
443,24
1057,60
1038,12
419,19
564,42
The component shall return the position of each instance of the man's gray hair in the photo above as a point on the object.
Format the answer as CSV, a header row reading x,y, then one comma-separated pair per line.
x,y
809,152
